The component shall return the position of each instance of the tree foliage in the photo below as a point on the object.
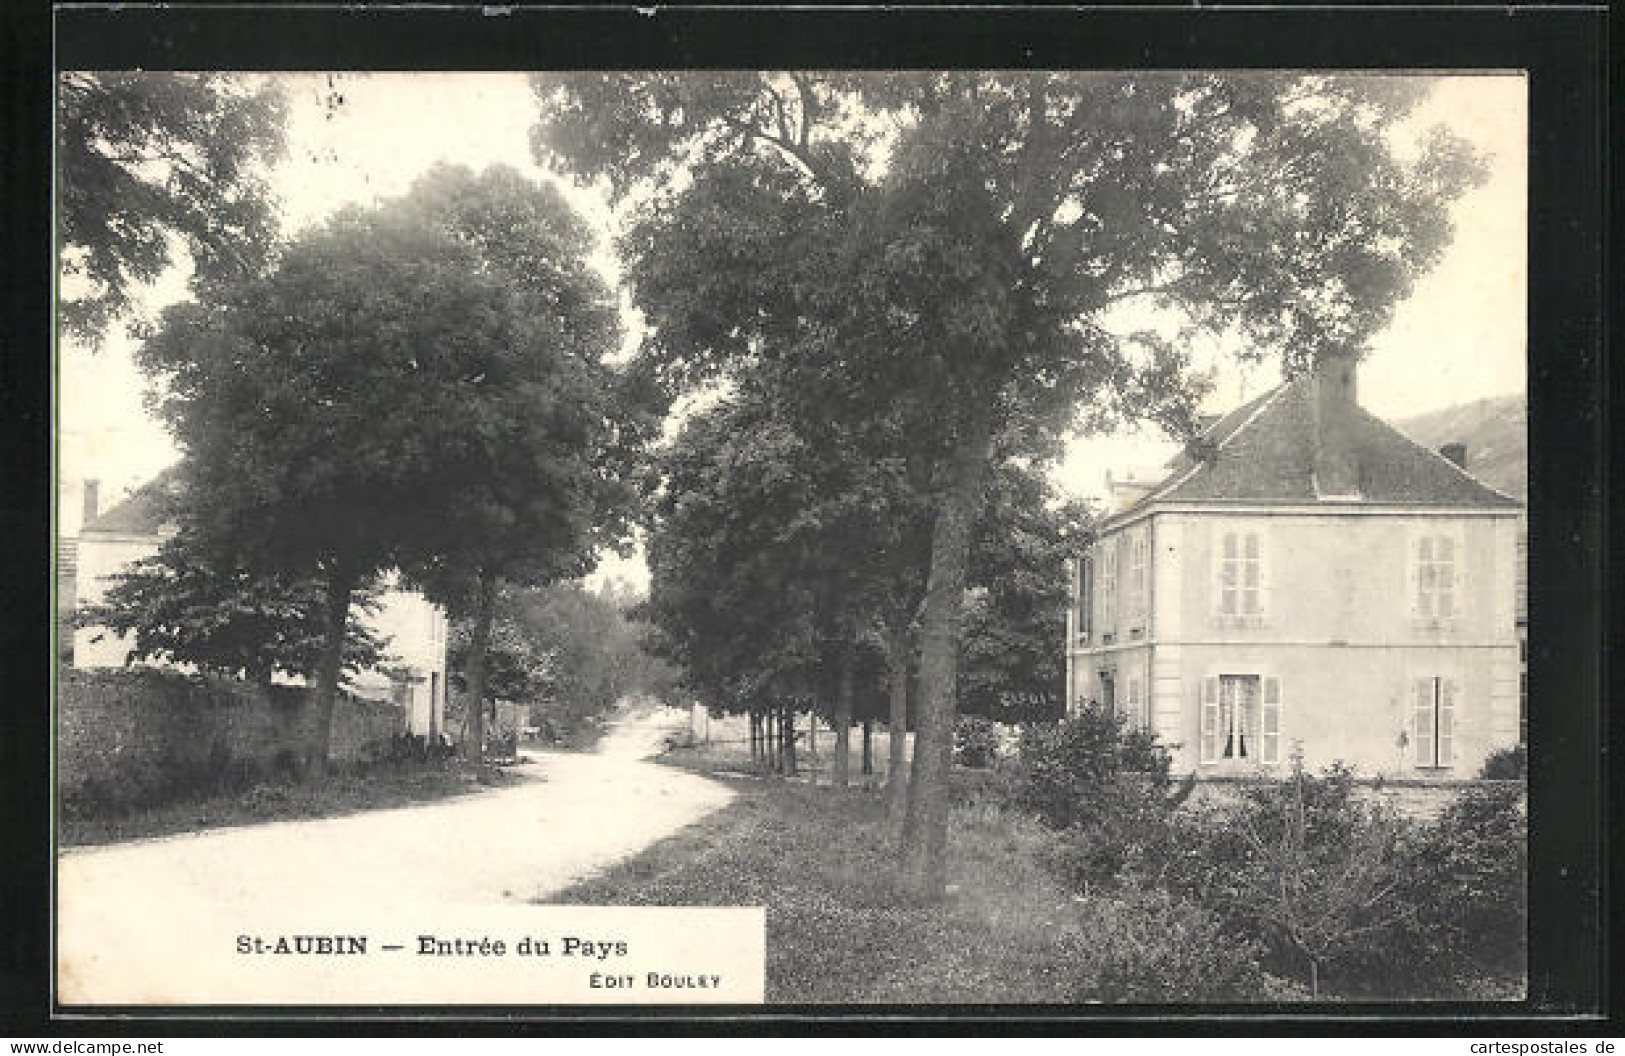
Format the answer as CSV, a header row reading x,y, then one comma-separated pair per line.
x,y
151,162
969,242
395,394
187,604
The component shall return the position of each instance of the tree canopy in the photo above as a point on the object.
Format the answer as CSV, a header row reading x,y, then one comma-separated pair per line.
x,y
391,395
187,605
148,163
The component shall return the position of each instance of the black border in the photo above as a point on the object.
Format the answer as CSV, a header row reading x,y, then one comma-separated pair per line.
x,y
1564,50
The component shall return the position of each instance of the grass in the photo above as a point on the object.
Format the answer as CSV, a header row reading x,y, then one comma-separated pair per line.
x,y
820,860
342,791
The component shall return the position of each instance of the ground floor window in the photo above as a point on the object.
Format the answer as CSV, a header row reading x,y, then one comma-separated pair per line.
x,y
1241,719
1433,721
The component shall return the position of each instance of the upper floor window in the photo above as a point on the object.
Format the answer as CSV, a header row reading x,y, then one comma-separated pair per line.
x,y
1241,573
1085,599
1435,573
1108,587
1137,580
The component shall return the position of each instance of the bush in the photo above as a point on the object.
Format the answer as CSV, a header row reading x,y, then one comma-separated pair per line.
x,y
1128,835
976,741
1066,772
1508,764
1154,947
1465,883
1301,865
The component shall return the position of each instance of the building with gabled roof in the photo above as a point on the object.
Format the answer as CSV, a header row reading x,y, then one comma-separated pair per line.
x,y
1304,577
413,627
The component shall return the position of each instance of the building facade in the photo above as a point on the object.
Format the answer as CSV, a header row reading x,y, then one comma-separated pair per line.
x,y
413,627
1305,578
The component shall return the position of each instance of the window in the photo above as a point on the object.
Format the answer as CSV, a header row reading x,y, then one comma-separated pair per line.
x,y
1435,575
1108,691
1241,574
1108,589
1085,598
1136,581
1241,719
1433,724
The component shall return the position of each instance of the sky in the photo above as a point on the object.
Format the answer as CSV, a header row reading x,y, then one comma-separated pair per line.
x,y
354,138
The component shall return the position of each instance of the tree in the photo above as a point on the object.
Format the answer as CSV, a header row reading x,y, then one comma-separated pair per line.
x,y
190,604
537,455
971,241
149,160
1015,611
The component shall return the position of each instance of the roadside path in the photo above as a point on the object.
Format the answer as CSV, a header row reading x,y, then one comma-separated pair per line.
x,y
120,907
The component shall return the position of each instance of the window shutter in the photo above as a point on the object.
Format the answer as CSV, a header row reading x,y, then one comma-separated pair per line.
x,y
1447,722
1450,578
1413,583
1210,719
1263,573
1422,726
1269,747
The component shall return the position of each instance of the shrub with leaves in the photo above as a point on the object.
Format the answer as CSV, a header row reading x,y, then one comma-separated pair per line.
x,y
1508,764
976,741
1154,947
1066,772
1466,885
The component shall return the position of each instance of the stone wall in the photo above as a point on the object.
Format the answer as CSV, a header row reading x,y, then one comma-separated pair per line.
x,y
136,735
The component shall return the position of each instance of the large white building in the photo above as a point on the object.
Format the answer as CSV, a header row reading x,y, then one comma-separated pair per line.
x,y
413,627
1304,576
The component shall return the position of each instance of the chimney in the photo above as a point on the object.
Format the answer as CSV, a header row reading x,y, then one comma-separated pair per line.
x,y
1457,453
1337,470
92,487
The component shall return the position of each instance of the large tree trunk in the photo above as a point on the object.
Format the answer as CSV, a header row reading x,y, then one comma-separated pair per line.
x,y
868,748
755,745
925,824
474,742
812,735
897,728
841,776
340,587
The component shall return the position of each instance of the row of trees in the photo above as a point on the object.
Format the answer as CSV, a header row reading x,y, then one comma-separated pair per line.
x,y
928,279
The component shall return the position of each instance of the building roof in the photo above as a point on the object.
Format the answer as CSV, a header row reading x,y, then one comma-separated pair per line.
x,y
1264,453
143,512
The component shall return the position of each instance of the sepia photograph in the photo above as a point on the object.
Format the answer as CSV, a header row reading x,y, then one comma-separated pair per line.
x,y
791,537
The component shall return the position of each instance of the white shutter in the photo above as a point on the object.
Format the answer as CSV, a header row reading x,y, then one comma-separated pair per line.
x,y
1269,746
1447,722
1446,546
1263,573
1422,724
1210,719
1413,585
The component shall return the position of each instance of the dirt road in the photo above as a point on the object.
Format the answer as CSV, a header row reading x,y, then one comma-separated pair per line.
x,y
127,912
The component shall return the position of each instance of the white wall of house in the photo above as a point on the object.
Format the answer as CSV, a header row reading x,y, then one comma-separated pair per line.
x,y
102,556
416,630
1332,622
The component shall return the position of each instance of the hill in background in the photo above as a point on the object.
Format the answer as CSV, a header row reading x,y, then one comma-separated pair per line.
x,y
1496,432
